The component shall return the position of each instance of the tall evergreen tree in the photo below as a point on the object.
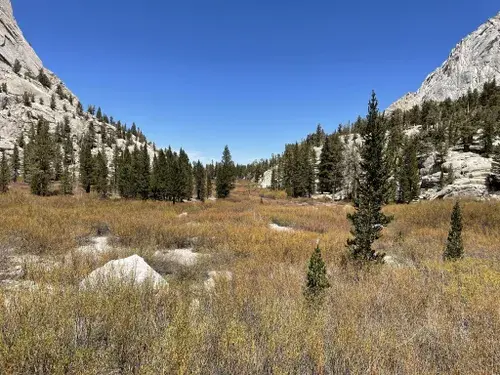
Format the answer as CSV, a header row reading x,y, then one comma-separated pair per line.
x,y
101,174
225,175
143,178
115,166
154,179
99,114
409,179
43,152
368,220
4,173
210,174
57,162
325,167
28,155
274,179
15,164
309,165
86,163
454,247
125,180
184,177
200,181
338,165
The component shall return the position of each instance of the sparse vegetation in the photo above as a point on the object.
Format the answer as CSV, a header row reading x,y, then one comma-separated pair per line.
x,y
17,66
430,317
44,79
317,280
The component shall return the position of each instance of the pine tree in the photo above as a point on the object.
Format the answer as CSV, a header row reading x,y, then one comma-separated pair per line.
x,y
368,220
4,173
99,114
200,181
79,109
317,280
154,179
27,99
165,178
57,162
143,178
103,134
454,247
86,163
91,135
309,159
125,183
183,177
274,180
115,166
43,152
210,171
15,164
44,79
489,123
338,163
66,181
225,175
101,174
325,167
409,179
17,66
28,155
136,171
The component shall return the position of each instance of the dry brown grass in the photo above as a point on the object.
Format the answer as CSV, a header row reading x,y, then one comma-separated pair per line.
x,y
424,318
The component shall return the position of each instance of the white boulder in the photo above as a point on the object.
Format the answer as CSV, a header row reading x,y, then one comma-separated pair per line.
x,y
133,269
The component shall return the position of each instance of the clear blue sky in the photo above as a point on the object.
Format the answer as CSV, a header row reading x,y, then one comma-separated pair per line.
x,y
252,74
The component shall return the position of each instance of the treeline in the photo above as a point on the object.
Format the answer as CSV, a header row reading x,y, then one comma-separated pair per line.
x,y
140,171
470,123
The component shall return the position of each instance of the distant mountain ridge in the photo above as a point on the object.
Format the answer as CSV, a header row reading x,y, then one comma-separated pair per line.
x,y
473,62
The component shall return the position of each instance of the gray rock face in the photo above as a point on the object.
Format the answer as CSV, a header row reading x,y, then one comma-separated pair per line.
x,y
16,117
12,43
473,62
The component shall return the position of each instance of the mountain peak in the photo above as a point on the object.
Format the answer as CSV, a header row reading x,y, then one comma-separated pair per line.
x,y
474,61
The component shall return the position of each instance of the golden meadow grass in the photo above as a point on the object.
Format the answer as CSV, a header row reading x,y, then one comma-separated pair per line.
x,y
426,317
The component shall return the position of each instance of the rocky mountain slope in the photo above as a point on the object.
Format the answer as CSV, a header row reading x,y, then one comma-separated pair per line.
x,y
15,116
473,62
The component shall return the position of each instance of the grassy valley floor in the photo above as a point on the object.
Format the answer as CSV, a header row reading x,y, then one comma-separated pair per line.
x,y
416,315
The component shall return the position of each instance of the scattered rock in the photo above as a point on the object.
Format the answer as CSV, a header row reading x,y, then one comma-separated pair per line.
x,y
133,269
396,262
184,257
184,214
98,245
280,228
216,276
